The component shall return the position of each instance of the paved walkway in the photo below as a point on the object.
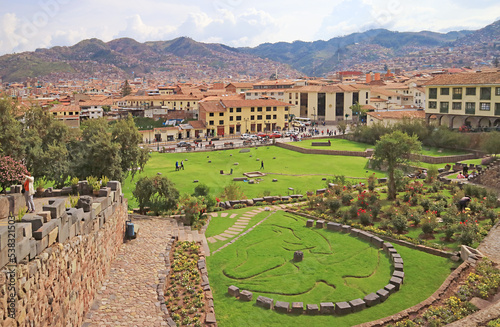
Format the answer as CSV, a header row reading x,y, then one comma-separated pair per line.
x,y
128,296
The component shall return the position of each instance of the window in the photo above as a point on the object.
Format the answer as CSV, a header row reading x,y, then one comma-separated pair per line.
x,y
485,106
433,93
443,107
259,117
259,109
238,109
485,93
268,108
231,110
286,108
497,91
221,114
286,116
445,91
275,109
211,114
252,109
290,96
275,116
457,93
456,106
497,109
238,117
470,108
231,118
252,117
268,116
432,105
221,122
211,122
470,91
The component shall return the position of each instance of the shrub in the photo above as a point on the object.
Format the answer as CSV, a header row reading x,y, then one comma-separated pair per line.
x,y
333,204
400,223
346,198
414,216
429,224
468,232
425,203
364,217
449,231
11,172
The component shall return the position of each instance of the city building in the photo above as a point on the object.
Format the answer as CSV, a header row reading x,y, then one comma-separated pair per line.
x,y
464,99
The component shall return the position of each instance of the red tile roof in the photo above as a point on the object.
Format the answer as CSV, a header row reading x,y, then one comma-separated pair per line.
x,y
466,79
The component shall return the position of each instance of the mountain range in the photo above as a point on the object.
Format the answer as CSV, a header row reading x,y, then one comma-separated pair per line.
x,y
182,56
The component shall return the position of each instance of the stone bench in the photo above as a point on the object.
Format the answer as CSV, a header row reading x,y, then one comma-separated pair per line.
x,y
321,144
326,308
342,308
282,307
265,302
297,307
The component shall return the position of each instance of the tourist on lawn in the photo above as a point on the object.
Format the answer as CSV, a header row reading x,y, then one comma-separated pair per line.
x,y
460,175
176,165
29,191
182,164
262,164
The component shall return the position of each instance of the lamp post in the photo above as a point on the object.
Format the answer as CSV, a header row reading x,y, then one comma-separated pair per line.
x,y
246,126
314,116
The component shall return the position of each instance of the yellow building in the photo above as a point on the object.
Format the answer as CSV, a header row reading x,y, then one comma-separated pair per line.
x,y
234,116
160,103
471,99
68,114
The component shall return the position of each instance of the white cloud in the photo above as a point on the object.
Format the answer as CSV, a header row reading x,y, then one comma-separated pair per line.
x,y
140,31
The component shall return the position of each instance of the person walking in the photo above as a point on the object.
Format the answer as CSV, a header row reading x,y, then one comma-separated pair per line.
x,y
29,191
182,164
176,165
262,164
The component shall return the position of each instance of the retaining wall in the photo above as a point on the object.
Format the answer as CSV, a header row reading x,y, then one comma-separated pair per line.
x,y
63,256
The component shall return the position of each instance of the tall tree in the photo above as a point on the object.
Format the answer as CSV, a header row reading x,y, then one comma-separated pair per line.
x,y
394,150
157,192
11,141
126,89
127,136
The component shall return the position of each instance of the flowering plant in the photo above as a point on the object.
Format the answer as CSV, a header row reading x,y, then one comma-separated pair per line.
x,y
11,172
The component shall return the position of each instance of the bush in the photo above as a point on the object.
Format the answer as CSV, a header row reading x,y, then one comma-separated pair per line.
x,y
346,198
429,224
364,217
425,203
333,204
400,223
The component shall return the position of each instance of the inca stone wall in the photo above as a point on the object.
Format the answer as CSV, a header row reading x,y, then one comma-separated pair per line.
x,y
57,280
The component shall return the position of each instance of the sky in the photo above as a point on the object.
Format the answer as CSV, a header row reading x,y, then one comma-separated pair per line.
x,y
30,24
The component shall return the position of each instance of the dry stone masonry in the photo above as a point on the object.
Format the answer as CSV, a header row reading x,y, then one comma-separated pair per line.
x,y
63,255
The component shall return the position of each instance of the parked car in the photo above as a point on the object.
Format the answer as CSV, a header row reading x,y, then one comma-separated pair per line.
x,y
245,136
261,134
274,135
253,137
183,144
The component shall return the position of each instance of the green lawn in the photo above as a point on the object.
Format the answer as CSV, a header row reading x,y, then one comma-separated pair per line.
x,y
336,267
346,145
292,169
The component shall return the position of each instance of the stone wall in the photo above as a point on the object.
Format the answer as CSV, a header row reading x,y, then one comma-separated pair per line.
x,y
445,159
63,255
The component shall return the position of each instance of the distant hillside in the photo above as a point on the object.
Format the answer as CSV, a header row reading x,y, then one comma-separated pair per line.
x,y
186,58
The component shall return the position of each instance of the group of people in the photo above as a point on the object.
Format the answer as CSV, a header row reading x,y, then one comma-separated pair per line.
x,y
464,174
179,167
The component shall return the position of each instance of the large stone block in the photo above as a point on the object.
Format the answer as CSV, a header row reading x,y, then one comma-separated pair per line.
x,y
265,302
246,295
371,299
326,308
386,246
115,186
85,202
46,229
63,232
395,256
396,281
16,203
104,201
24,229
32,249
309,223
53,235
4,207
346,229
355,232
4,236
56,208
357,305
399,274
297,307
36,221
334,226
377,241
42,244
23,249
233,291
320,224
104,191
312,309
282,307
97,208
398,260
399,267
390,288
76,214
65,191
383,294
342,308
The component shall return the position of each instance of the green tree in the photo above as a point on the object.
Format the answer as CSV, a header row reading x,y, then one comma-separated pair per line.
x,y
491,143
126,89
394,150
194,208
358,111
201,190
342,126
99,155
11,142
126,135
157,192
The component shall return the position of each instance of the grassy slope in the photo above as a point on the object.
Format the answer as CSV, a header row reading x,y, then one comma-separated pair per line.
x,y
286,162
334,255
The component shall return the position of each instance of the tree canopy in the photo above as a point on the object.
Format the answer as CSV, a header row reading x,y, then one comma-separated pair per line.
x,y
394,150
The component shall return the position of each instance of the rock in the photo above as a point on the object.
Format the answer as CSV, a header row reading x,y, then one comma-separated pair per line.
x,y
390,288
371,299
246,295
320,224
298,256
233,291
326,308
396,281
480,303
357,305
265,302
297,307
383,294
281,306
312,309
310,223
342,308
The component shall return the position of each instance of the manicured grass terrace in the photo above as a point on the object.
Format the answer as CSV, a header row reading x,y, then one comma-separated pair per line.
x,y
336,267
